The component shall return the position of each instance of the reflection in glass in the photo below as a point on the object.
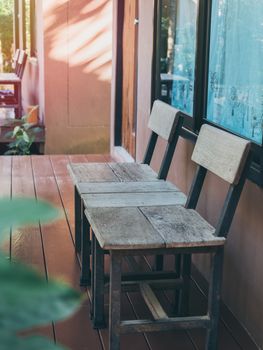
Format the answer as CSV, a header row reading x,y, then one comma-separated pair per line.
x,y
177,53
235,91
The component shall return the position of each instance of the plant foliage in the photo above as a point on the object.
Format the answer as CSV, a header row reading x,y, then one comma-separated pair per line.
x,y
27,300
24,136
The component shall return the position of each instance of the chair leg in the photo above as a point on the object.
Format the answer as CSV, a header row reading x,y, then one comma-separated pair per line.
x,y
214,299
98,298
177,266
85,276
115,301
185,292
78,214
159,262
92,274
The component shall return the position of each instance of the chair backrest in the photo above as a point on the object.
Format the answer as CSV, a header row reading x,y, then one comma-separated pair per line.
x,y
163,120
226,156
21,63
15,61
166,122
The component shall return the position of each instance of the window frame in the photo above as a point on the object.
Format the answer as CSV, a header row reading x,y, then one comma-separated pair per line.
x,y
193,123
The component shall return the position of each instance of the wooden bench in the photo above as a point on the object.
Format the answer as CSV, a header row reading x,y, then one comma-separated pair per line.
x,y
165,122
145,230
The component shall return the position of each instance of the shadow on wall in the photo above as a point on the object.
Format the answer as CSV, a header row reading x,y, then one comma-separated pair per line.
x,y
78,69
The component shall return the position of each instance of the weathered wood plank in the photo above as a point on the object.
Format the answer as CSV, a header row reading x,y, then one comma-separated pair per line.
x,y
133,172
221,153
164,324
59,164
127,187
152,302
101,200
123,228
91,172
163,119
22,167
42,166
181,227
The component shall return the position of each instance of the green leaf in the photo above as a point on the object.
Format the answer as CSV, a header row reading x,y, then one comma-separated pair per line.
x,y
17,130
28,301
10,341
25,137
25,211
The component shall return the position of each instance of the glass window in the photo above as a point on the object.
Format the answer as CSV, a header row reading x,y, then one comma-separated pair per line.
x,y
235,86
177,53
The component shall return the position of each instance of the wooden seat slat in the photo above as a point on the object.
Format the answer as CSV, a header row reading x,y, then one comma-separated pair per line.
x,y
91,172
133,172
123,228
181,227
127,187
112,200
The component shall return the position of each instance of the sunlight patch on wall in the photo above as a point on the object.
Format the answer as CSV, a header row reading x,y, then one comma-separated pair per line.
x,y
85,40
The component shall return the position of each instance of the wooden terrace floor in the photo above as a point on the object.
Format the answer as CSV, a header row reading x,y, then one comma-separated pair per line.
x,y
50,249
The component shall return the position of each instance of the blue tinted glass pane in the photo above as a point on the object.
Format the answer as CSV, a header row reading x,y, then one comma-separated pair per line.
x,y
177,53
235,94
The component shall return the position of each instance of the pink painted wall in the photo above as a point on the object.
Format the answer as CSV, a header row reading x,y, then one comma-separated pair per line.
x,y
77,75
243,278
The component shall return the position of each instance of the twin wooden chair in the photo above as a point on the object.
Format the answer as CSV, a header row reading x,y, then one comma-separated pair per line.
x,y
145,215
13,98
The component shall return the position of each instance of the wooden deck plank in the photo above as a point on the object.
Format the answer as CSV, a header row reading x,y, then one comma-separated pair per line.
x,y
22,167
79,158
5,166
59,164
26,244
62,262
41,166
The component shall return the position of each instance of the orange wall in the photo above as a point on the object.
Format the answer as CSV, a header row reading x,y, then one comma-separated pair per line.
x,y
243,277
77,75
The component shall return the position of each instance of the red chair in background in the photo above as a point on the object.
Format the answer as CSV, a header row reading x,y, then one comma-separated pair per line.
x,y
13,98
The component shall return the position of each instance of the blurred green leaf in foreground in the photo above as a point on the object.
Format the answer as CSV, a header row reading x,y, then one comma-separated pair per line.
x,y
26,299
